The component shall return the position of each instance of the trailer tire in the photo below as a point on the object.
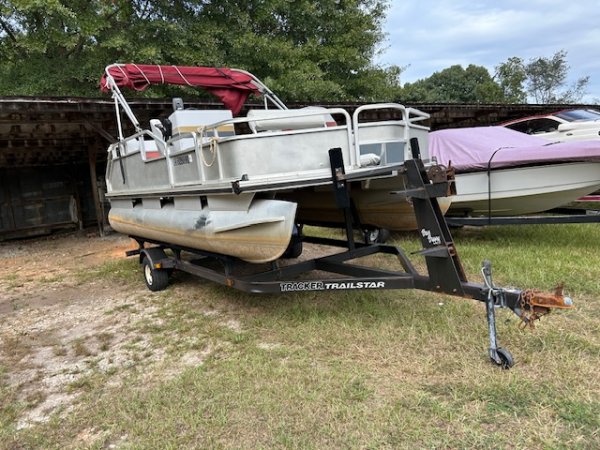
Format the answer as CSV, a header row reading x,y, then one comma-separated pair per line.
x,y
295,247
294,250
156,279
376,235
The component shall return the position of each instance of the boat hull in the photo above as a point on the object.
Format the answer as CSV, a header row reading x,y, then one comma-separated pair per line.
x,y
523,190
257,235
377,203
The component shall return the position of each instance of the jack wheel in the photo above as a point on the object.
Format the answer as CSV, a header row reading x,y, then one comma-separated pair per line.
x,y
504,358
156,279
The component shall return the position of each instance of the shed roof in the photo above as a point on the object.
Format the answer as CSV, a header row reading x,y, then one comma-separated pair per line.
x,y
38,131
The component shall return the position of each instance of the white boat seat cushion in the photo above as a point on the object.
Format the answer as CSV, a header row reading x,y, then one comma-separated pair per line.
x,y
286,119
157,129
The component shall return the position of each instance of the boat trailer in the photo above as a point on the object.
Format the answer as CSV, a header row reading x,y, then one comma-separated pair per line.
x,y
340,271
551,218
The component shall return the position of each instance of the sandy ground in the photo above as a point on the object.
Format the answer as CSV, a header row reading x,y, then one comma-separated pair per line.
x,y
56,330
59,329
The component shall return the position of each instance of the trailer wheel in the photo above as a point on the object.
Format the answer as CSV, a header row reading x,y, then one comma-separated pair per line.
x,y
376,235
295,247
506,359
156,279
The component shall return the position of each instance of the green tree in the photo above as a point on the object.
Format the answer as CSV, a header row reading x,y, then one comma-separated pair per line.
x,y
544,79
304,50
455,85
57,47
511,75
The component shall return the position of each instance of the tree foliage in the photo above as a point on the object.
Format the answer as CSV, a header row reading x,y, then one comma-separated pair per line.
x,y
455,85
544,79
511,75
304,50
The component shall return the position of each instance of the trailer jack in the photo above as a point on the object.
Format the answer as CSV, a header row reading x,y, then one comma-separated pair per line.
x,y
496,298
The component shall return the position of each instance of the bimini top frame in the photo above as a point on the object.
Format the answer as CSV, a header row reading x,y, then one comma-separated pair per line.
x,y
231,86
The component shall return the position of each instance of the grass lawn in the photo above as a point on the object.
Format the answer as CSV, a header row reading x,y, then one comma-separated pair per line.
x,y
385,369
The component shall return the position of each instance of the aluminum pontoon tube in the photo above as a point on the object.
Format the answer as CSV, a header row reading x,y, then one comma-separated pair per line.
x,y
260,234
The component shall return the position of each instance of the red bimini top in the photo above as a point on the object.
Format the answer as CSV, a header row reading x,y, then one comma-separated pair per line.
x,y
231,86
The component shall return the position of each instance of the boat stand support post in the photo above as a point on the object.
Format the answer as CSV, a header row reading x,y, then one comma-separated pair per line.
x,y
445,271
340,190
93,150
490,311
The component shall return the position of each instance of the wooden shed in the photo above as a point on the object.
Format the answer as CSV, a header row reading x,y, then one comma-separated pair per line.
x,y
53,154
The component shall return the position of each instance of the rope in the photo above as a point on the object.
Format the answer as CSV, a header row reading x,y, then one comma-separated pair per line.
x,y
162,77
143,74
489,177
182,77
212,147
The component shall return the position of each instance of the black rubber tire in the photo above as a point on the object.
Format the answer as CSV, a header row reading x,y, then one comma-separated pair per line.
x,y
295,247
293,251
506,359
155,279
376,235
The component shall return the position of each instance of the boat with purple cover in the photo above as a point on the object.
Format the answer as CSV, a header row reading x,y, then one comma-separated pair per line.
x,y
501,172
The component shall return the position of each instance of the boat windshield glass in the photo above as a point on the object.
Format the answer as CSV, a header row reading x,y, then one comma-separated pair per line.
x,y
578,115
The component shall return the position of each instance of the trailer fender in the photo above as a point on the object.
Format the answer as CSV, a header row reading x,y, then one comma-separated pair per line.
x,y
156,256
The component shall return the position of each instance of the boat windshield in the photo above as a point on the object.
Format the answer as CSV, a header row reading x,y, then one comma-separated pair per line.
x,y
579,115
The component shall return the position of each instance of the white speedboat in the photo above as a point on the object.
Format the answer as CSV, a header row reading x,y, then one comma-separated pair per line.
x,y
500,172
194,180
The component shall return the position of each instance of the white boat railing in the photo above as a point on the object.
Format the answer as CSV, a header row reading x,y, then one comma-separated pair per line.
x,y
120,101
409,118
285,115
213,160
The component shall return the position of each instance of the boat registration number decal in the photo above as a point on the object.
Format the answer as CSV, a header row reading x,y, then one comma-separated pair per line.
x,y
329,286
183,159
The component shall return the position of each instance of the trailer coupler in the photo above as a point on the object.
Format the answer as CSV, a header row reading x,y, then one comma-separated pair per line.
x,y
530,306
534,304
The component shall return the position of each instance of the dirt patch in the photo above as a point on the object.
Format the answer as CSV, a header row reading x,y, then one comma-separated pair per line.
x,y
63,333
58,334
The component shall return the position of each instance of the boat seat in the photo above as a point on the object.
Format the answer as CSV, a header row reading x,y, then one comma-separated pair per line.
x,y
158,130
287,119
190,120
150,148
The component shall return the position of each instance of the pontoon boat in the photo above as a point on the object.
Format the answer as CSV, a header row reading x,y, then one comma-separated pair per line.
x,y
194,180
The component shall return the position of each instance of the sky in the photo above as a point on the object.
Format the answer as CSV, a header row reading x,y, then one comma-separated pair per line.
x,y
429,36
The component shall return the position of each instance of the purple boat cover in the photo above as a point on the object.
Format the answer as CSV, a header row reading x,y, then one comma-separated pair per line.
x,y
473,149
